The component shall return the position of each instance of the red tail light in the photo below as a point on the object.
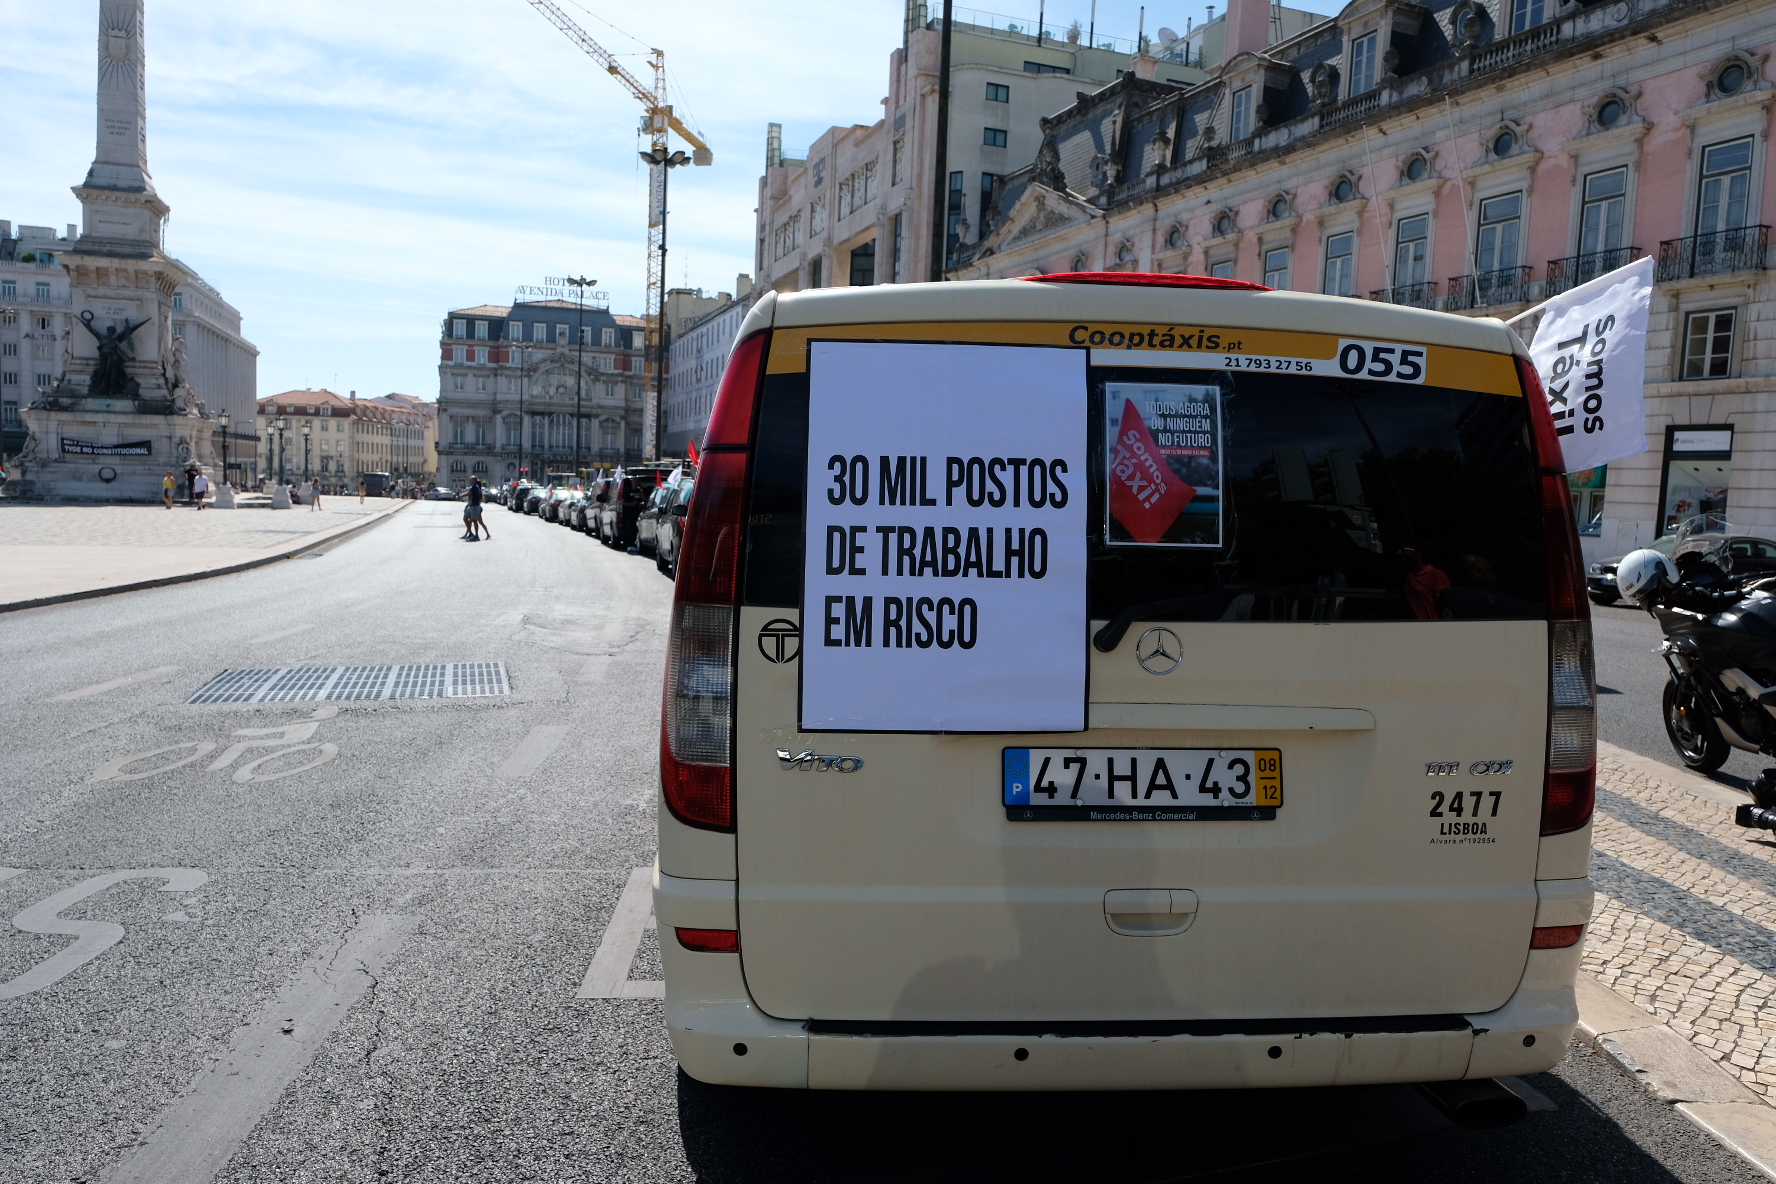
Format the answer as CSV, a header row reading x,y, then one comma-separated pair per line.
x,y
1570,790
1146,279
697,717
730,419
719,941
1543,937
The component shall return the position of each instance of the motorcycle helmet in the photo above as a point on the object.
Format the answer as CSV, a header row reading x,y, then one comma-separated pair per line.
x,y
1642,573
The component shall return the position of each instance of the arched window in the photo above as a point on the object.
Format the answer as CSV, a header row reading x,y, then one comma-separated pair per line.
x,y
610,435
459,466
480,466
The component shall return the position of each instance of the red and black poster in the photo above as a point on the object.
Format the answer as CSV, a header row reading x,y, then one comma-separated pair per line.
x,y
1164,464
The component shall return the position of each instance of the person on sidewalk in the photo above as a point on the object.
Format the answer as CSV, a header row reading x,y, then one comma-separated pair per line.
x,y
472,516
314,497
360,491
200,486
166,489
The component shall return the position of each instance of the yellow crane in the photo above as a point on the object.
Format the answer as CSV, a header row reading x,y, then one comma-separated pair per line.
x,y
658,121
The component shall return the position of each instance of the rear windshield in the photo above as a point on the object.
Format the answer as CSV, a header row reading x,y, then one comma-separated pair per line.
x,y
1310,498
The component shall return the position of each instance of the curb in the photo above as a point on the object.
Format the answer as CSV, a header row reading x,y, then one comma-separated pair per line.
x,y
206,573
1678,1073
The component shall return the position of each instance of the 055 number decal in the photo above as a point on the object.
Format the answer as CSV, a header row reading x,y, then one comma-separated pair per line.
x,y
1388,361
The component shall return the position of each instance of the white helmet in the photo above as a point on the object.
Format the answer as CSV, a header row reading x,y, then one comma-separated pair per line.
x,y
1644,572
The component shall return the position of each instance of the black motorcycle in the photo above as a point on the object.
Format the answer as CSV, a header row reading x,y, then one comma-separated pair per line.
x,y
1720,645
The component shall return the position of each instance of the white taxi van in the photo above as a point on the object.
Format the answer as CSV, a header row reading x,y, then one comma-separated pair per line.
x,y
1114,681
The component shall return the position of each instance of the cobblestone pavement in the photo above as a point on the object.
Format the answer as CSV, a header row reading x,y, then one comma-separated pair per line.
x,y
1685,922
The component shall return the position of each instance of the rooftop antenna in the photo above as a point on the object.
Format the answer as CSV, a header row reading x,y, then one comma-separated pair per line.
x,y
1141,31
1041,19
1091,36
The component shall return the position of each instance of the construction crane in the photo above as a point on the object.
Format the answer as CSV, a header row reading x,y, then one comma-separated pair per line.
x,y
656,123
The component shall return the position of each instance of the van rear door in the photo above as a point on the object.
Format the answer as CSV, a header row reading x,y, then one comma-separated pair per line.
x,y
1365,603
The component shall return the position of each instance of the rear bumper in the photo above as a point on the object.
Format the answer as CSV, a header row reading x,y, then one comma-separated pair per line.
x,y
720,1037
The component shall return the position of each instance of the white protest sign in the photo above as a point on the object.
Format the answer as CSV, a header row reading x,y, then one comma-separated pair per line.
x,y
1590,350
944,584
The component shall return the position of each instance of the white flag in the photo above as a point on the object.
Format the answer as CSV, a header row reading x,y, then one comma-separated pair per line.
x,y
678,475
1590,350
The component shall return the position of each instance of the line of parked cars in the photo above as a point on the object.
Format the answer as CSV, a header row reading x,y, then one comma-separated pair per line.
x,y
638,510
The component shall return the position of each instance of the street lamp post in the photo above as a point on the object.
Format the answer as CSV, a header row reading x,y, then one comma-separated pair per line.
x,y
222,419
282,426
579,283
665,163
306,429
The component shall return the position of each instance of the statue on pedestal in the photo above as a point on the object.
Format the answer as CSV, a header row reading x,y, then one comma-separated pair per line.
x,y
110,380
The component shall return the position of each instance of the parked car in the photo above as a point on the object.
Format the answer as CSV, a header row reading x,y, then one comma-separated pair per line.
x,y
517,496
624,501
550,509
534,499
670,535
567,513
647,522
1751,556
440,493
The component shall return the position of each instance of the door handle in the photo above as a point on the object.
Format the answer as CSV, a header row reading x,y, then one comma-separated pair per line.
x,y
1149,912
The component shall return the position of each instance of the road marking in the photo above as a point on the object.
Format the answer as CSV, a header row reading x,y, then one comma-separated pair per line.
x,y
197,1135
280,634
114,770
608,976
248,772
99,688
93,937
536,747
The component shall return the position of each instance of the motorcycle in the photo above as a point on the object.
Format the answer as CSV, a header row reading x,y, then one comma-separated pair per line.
x,y
1720,646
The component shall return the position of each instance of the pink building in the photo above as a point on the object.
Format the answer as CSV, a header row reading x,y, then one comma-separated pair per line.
x,y
1473,156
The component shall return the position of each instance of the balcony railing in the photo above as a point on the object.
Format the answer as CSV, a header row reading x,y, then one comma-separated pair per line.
x,y
1581,269
1742,249
1420,295
1514,49
1356,107
1508,285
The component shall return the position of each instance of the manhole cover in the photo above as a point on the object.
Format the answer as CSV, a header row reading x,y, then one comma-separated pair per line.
x,y
433,680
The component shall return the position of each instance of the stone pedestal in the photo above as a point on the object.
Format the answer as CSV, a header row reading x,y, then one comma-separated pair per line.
x,y
106,450
280,496
224,497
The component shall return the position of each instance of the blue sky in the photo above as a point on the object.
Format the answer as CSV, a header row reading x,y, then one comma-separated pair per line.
x,y
345,171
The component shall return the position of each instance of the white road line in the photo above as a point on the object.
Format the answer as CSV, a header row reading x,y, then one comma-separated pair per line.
x,y
608,976
93,937
99,688
281,633
197,1135
532,751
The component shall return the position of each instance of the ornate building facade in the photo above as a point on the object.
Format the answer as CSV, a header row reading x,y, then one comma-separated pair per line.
x,y
1474,156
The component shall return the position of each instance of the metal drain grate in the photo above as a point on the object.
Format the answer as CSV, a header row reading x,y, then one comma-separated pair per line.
x,y
432,680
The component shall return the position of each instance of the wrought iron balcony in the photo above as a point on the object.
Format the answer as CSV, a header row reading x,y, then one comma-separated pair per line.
x,y
1580,269
1420,295
1508,285
1741,249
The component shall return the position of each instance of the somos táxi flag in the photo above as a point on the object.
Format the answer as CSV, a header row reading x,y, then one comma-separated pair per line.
x,y
1590,350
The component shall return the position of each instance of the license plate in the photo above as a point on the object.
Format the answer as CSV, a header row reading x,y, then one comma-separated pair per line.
x,y
1143,784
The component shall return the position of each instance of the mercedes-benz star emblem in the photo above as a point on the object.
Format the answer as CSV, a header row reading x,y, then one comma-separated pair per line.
x,y
1159,651
780,641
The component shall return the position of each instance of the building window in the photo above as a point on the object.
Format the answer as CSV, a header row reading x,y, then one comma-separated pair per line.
x,y
459,329
458,354
179,297
1708,344
1698,475
958,203
897,161
1341,257
998,93
634,439
458,382
1411,250
988,190
42,290
458,430
863,265
481,356
560,334
9,349
609,434
1601,217
610,338
480,384
1276,268
178,330
1222,270
46,380
9,289
1723,201
538,437
1526,14
788,236
9,378
1242,113
993,137
817,208
480,330
585,335
1045,68
899,242
816,273
479,466
10,417
1501,226
1362,71
514,330
539,331
459,466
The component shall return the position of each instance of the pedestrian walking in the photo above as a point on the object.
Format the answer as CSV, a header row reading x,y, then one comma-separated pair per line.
x,y
314,497
473,520
200,485
360,491
166,489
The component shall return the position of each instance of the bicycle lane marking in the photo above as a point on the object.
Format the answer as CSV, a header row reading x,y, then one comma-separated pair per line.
x,y
99,688
92,938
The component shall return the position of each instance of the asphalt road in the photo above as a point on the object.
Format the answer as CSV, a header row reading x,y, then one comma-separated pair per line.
x,y
356,960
